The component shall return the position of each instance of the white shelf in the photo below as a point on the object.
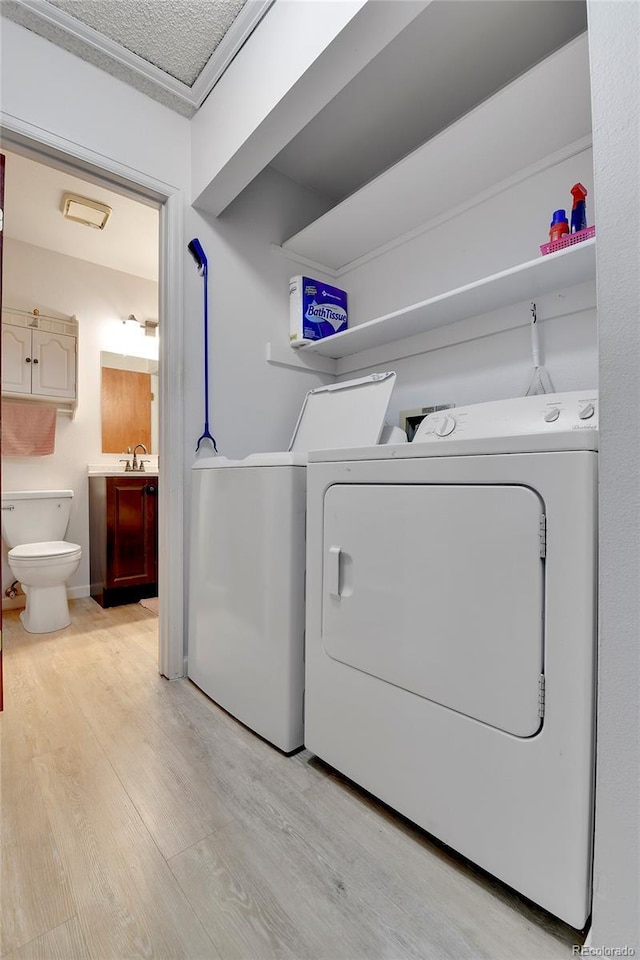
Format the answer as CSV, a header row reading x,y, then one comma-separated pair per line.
x,y
537,115
527,281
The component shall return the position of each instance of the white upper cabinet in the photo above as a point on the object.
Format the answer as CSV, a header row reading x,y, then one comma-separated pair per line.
x,y
39,357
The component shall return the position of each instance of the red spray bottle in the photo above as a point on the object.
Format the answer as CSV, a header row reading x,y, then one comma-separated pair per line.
x,y
579,209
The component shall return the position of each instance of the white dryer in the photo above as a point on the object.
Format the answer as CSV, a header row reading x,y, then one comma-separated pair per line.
x,y
451,633
247,562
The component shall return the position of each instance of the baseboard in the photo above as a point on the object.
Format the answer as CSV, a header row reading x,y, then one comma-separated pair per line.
x,y
18,603
14,603
76,593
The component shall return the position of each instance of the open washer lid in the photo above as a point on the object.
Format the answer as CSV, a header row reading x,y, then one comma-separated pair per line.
x,y
348,414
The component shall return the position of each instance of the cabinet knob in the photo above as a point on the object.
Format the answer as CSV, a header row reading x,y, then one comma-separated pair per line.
x,y
27,360
35,360
151,488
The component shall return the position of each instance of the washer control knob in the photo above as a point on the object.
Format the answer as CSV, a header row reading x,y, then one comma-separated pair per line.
x,y
586,412
552,415
446,426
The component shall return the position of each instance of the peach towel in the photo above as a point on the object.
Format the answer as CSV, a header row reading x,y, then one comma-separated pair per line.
x,y
28,430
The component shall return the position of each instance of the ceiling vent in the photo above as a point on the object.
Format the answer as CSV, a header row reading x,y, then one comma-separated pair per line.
x,y
83,210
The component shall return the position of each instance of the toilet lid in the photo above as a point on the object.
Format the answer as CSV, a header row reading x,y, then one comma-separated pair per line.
x,y
44,551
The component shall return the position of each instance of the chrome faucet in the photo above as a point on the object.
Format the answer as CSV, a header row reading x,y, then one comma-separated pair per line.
x,y
135,465
127,462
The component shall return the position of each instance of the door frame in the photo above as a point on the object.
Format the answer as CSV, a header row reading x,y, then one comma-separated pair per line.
x,y
48,148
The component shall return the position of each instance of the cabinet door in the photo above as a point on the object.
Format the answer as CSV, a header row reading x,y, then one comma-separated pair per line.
x,y
16,359
131,531
54,365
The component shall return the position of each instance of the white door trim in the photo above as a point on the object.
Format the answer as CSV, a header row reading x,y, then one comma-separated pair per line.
x,y
52,148
171,647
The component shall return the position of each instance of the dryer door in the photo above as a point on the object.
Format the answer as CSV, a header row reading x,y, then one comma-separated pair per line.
x,y
439,590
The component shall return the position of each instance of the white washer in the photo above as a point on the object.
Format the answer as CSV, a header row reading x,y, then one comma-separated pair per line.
x,y
246,591
451,628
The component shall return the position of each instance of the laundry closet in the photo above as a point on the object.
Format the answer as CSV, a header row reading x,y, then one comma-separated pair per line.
x,y
436,169
441,253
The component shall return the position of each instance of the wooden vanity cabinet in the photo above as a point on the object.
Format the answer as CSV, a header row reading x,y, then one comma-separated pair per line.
x,y
123,531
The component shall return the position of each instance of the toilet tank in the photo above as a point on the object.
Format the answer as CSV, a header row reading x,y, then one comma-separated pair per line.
x,y
35,516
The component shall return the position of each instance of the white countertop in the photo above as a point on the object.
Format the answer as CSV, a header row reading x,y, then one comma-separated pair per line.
x,y
117,470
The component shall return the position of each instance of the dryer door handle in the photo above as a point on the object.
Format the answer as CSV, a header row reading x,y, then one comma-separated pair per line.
x,y
333,571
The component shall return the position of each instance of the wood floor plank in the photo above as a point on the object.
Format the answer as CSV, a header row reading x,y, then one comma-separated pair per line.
x,y
350,909
103,753
180,709
445,893
128,901
38,717
176,799
36,894
341,889
242,899
39,709
65,942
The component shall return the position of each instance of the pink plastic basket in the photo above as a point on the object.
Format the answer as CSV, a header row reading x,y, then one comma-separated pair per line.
x,y
567,241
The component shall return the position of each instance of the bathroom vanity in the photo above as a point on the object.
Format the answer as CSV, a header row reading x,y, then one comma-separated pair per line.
x,y
123,533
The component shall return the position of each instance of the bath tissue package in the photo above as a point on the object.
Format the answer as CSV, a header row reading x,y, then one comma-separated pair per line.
x,y
316,310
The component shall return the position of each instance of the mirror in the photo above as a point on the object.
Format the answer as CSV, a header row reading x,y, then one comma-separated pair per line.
x,y
129,402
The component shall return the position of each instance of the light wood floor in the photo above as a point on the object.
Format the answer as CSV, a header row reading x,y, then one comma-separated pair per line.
x,y
140,820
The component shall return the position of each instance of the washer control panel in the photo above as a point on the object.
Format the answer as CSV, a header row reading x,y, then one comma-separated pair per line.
x,y
522,416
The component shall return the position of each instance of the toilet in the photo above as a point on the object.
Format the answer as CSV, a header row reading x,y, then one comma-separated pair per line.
x,y
33,525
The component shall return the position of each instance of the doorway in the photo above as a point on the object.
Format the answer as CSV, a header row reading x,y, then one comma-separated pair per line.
x,y
168,204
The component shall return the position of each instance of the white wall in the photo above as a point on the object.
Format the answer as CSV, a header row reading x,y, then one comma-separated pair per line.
x,y
71,107
614,36
253,405
496,234
100,298
500,232
48,88
302,55
274,58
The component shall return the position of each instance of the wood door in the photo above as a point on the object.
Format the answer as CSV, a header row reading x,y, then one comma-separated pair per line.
x,y
131,531
53,367
126,410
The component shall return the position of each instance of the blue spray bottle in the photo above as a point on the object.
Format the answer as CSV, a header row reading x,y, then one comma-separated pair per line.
x,y
579,210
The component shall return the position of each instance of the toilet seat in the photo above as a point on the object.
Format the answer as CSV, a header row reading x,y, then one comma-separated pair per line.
x,y
49,550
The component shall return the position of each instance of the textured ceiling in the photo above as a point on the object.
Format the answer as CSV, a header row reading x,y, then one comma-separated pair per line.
x,y
174,51
177,36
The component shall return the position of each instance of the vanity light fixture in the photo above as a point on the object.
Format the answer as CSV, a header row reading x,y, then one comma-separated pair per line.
x,y
149,326
83,210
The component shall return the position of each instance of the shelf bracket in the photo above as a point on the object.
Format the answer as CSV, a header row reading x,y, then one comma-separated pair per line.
x,y
289,357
